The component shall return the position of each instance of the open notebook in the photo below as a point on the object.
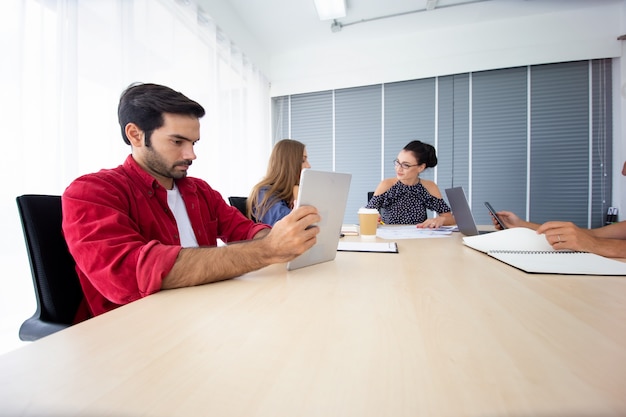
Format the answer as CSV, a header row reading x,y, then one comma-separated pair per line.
x,y
526,250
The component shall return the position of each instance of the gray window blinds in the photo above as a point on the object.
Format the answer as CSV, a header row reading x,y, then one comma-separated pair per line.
x,y
602,140
409,115
453,138
534,140
358,129
499,142
312,124
559,142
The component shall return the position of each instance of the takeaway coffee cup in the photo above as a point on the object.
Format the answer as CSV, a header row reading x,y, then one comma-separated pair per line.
x,y
368,221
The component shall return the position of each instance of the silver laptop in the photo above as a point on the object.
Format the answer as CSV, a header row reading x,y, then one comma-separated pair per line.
x,y
328,192
462,212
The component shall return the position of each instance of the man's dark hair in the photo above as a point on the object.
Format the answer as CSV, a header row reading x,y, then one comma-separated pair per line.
x,y
144,105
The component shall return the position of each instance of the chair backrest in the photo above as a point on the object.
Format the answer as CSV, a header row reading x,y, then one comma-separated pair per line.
x,y
239,203
370,194
57,288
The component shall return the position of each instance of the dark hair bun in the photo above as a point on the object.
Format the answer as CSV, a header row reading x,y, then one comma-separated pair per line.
x,y
424,153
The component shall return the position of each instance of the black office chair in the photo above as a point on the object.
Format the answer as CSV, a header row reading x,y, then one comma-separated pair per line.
x,y
57,288
370,194
239,203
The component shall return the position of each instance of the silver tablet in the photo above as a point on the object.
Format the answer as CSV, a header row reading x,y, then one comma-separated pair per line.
x,y
328,192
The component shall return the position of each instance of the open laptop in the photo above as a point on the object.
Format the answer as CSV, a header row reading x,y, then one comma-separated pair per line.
x,y
328,192
462,212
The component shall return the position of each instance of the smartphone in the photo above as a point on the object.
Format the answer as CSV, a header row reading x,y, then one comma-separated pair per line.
x,y
495,216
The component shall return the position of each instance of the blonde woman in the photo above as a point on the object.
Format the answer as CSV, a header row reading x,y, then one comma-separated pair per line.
x,y
273,197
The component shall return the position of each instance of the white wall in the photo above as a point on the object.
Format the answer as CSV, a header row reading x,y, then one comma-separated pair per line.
x,y
584,33
227,20
482,36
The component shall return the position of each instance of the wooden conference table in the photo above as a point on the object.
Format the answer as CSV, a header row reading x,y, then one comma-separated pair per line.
x,y
436,330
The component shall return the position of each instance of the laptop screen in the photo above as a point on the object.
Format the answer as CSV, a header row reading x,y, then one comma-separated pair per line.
x,y
461,211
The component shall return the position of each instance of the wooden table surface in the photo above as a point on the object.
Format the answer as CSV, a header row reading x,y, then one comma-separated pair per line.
x,y
436,330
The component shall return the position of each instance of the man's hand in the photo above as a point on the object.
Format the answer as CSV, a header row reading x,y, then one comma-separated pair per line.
x,y
566,235
511,219
436,222
293,235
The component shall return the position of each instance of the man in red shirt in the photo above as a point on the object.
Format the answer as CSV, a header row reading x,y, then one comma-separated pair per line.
x,y
146,226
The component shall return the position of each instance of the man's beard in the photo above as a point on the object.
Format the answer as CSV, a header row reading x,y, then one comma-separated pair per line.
x,y
157,165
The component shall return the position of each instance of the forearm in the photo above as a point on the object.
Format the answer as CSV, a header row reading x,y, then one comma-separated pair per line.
x,y
530,225
612,231
262,233
290,237
611,248
609,241
197,266
448,219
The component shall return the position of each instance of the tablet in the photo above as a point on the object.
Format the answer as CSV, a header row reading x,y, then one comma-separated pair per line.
x,y
328,192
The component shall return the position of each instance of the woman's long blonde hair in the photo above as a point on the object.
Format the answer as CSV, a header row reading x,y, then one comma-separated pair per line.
x,y
283,172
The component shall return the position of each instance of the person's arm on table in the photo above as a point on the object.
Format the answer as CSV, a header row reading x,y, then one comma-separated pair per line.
x,y
609,241
511,219
442,219
289,238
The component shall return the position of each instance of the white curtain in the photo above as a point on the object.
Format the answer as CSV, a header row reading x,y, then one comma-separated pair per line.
x,y
63,66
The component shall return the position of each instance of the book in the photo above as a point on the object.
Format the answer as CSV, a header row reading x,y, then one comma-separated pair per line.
x,y
388,247
349,229
524,249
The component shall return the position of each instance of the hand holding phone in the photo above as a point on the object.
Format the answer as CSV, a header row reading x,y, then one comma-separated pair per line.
x,y
495,216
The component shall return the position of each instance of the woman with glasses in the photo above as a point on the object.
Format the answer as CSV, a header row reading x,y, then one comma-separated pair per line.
x,y
274,196
406,198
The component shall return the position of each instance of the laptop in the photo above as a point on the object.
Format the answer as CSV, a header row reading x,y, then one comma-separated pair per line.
x,y
462,212
328,192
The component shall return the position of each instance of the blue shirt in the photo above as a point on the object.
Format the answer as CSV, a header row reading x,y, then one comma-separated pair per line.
x,y
277,210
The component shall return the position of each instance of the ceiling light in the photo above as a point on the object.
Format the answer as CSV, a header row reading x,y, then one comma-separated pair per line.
x,y
335,26
330,9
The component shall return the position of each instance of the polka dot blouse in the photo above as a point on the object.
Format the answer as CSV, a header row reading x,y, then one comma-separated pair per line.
x,y
406,204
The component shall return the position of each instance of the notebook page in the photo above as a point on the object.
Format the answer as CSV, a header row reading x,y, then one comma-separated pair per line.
x,y
514,239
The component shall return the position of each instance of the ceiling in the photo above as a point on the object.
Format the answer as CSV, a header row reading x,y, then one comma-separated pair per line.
x,y
281,25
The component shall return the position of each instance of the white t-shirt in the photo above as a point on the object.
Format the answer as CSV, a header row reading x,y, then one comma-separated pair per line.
x,y
185,231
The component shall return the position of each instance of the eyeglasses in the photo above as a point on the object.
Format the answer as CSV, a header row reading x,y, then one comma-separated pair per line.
x,y
404,165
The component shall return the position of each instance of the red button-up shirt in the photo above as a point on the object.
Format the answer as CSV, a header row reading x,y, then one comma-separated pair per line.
x,y
124,238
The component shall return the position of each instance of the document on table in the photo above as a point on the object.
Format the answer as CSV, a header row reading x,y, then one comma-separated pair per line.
x,y
412,232
389,247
